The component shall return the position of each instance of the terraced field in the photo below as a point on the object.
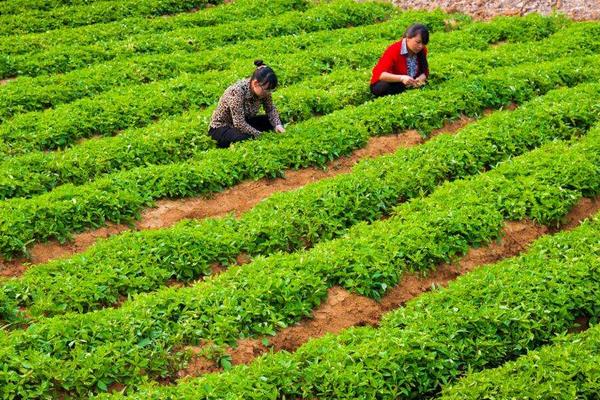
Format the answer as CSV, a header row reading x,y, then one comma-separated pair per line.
x,y
441,243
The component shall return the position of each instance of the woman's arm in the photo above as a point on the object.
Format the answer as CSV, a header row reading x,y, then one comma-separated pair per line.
x,y
273,114
389,77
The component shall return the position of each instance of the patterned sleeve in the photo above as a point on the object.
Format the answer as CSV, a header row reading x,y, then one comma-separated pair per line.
x,y
271,111
236,105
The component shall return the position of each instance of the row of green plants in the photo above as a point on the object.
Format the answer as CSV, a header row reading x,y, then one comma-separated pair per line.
x,y
14,6
36,93
492,315
137,105
27,21
141,105
33,94
123,28
173,139
180,138
120,197
83,353
568,369
337,14
144,261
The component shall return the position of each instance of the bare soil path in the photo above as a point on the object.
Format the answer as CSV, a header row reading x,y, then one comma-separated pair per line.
x,y
237,199
343,309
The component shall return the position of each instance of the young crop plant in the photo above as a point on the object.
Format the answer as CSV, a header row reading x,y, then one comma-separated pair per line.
x,y
567,369
120,197
289,221
331,15
273,292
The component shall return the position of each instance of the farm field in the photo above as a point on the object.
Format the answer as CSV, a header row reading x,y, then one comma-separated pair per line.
x,y
439,243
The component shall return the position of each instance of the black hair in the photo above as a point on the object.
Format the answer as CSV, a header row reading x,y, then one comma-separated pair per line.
x,y
411,32
417,29
264,75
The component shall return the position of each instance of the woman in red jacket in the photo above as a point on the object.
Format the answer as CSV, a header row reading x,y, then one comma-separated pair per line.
x,y
404,64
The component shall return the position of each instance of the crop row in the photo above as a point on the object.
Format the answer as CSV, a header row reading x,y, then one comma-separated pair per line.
x,y
120,196
140,105
173,139
32,94
568,369
143,261
15,6
123,28
28,21
37,172
483,319
340,13
80,353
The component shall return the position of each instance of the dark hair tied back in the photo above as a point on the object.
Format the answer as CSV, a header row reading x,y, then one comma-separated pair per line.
x,y
264,75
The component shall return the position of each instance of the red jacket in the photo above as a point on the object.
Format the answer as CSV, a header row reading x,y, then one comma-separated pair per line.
x,y
395,63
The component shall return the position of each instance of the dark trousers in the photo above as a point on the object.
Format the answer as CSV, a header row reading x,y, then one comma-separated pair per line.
x,y
381,88
226,135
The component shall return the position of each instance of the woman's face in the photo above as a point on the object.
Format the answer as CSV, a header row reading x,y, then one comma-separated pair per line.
x,y
259,90
415,44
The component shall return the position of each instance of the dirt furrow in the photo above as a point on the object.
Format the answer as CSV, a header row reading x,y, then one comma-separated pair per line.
x,y
343,309
237,199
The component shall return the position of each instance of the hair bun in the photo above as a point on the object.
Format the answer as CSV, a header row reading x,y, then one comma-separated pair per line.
x,y
259,63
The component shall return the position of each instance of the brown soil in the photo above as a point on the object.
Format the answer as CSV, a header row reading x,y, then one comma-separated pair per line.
x,y
6,80
342,309
486,9
237,199
582,323
43,252
585,207
246,195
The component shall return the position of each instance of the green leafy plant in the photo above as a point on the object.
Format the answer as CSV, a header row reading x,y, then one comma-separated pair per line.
x,y
273,292
120,197
289,221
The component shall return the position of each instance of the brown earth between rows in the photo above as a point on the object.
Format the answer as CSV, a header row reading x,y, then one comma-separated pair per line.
x,y
486,9
343,309
237,199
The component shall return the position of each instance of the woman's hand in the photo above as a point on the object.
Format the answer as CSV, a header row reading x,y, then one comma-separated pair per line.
x,y
420,80
408,80
279,129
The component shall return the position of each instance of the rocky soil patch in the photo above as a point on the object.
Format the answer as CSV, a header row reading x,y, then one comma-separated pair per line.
x,y
485,9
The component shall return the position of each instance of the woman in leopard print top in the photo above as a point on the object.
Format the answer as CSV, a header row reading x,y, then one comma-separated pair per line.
x,y
236,119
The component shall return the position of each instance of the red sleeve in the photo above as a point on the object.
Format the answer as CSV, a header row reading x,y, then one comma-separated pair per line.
x,y
386,62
